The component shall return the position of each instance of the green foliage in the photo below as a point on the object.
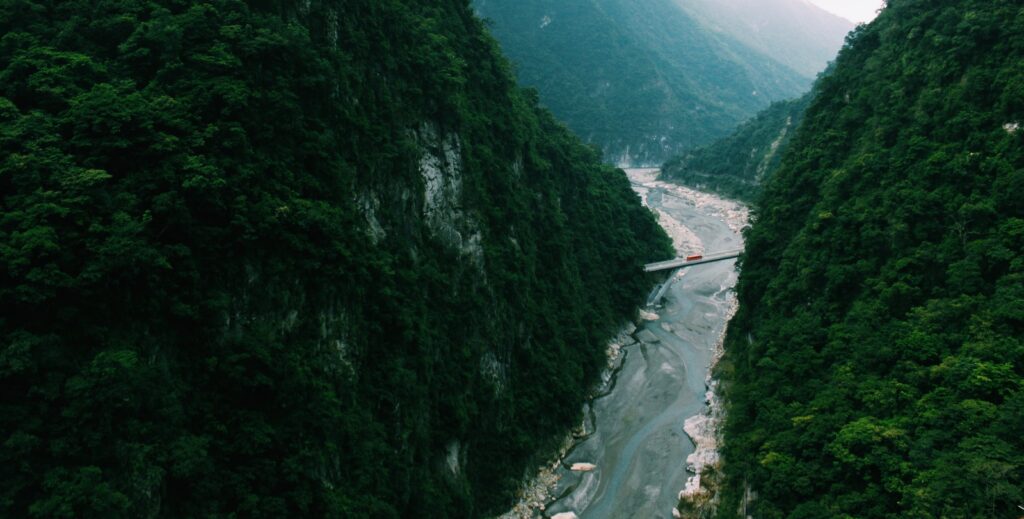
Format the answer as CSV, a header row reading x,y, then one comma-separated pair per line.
x,y
641,79
877,360
738,165
219,294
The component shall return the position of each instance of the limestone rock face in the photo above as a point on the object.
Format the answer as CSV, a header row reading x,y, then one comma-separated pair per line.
x,y
440,168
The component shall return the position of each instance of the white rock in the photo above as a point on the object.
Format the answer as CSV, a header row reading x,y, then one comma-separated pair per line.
x,y
453,458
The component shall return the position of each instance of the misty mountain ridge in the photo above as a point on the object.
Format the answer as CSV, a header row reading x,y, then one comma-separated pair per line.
x,y
796,33
646,80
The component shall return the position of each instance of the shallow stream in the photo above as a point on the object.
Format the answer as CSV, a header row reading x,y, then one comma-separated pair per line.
x,y
636,440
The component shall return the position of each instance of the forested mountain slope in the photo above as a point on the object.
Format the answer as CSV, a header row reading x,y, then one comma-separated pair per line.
x,y
644,80
290,259
736,166
876,364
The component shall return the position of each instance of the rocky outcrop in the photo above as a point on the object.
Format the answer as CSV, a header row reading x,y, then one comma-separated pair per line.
x,y
440,168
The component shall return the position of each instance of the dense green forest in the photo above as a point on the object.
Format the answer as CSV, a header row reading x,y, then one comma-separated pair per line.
x,y
876,366
645,80
738,165
290,259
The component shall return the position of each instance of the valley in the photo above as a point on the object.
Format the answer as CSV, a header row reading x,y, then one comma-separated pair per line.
x,y
372,258
645,80
630,454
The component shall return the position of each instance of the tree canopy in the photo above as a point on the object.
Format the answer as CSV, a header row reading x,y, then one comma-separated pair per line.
x,y
876,366
229,286
738,166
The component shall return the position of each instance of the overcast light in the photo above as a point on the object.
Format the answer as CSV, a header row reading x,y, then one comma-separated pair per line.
x,y
853,10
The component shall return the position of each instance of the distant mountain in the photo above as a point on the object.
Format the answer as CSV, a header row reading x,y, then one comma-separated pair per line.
x,y
795,33
644,80
736,166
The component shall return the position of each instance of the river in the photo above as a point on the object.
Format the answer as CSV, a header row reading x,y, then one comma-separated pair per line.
x,y
635,439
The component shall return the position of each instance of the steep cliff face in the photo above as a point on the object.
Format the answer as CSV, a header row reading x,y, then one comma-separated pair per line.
x,y
876,365
277,259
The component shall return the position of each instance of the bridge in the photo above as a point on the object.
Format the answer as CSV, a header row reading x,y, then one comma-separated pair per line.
x,y
693,261
678,264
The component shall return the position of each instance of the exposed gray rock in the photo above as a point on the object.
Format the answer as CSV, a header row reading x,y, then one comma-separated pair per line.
x,y
441,171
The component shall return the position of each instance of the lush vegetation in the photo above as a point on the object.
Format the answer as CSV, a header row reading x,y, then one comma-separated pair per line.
x,y
219,294
738,165
876,367
644,80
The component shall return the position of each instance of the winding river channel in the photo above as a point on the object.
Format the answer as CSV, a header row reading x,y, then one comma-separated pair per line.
x,y
633,449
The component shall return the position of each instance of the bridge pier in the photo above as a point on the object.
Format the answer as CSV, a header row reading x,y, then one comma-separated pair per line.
x,y
659,291
678,264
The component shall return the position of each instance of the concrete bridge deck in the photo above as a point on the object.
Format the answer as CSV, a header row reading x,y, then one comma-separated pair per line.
x,y
677,265
684,263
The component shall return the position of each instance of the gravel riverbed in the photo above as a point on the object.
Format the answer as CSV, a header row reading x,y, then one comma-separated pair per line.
x,y
629,457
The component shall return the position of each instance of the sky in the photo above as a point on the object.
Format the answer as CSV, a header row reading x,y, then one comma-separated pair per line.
x,y
853,10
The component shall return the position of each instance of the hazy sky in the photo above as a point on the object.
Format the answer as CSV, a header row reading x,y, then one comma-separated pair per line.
x,y
853,10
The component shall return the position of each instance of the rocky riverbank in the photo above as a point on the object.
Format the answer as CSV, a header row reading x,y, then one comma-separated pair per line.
x,y
735,214
628,456
700,496
541,490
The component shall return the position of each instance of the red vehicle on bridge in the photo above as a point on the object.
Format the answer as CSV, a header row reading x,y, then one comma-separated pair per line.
x,y
694,258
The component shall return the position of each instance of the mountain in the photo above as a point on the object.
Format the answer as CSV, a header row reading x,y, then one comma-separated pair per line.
x,y
876,366
736,166
645,80
291,259
796,33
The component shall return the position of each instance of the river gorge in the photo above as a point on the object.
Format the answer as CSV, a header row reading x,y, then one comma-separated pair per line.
x,y
629,457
